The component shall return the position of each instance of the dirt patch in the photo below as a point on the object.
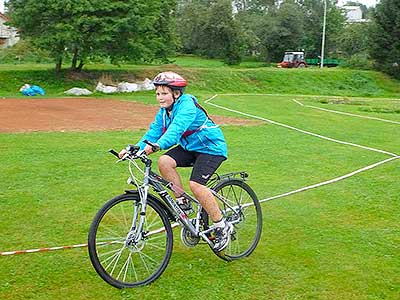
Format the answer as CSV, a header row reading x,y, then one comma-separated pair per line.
x,y
82,114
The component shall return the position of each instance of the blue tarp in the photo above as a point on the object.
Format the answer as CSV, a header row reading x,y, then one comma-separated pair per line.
x,y
33,90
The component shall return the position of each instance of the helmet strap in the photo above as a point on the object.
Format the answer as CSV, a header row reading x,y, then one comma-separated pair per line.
x,y
173,97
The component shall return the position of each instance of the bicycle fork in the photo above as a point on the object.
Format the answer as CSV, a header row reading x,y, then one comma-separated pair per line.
x,y
135,234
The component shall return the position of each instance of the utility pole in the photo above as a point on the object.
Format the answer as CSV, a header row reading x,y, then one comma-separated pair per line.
x,y
323,36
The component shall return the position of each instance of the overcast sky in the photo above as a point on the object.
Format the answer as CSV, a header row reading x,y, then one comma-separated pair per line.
x,y
368,3
365,2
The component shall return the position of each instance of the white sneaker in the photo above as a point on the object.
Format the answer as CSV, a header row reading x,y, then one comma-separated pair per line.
x,y
222,236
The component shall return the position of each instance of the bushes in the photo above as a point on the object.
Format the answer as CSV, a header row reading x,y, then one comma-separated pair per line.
x,y
24,52
360,61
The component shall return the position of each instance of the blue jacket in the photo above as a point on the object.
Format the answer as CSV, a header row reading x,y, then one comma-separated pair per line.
x,y
188,126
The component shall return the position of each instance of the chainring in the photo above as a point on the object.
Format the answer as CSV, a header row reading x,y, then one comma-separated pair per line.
x,y
188,239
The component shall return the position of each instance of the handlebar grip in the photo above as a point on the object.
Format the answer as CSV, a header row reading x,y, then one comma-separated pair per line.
x,y
113,152
153,146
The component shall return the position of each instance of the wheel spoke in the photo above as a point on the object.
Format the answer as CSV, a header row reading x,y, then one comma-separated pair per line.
x,y
152,261
137,262
112,239
115,260
124,268
109,252
239,204
155,246
134,270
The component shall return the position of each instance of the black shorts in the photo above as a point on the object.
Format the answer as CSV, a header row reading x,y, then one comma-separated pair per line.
x,y
204,165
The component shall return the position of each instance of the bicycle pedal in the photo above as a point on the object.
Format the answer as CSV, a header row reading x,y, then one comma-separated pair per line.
x,y
186,208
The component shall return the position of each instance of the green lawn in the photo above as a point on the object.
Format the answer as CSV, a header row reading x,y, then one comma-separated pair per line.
x,y
339,241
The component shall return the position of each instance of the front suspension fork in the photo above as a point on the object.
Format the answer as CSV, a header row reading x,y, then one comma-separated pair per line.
x,y
135,233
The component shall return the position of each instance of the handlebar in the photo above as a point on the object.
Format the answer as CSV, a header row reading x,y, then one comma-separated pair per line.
x,y
134,152
131,151
113,152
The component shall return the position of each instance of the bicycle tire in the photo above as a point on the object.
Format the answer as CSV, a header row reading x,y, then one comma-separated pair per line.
x,y
247,232
127,266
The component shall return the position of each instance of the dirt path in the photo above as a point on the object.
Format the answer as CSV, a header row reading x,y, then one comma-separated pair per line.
x,y
82,114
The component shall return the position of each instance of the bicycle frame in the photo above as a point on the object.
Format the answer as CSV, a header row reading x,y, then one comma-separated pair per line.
x,y
158,183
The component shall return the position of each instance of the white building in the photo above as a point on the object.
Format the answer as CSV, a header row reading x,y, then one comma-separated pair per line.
x,y
8,35
353,14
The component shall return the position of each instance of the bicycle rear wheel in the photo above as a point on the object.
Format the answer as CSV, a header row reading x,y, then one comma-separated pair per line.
x,y
123,264
246,217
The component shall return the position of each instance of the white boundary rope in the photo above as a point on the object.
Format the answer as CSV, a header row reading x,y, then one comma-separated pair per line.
x,y
331,180
73,246
345,113
306,96
49,249
394,157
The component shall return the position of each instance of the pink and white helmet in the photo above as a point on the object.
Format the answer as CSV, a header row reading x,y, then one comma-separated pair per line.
x,y
170,79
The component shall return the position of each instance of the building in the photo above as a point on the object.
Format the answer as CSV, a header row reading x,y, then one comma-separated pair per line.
x,y
353,14
8,35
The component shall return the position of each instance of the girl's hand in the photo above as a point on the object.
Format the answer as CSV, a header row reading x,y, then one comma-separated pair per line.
x,y
122,153
148,149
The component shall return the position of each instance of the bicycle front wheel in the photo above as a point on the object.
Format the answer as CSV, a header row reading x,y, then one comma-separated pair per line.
x,y
118,259
239,205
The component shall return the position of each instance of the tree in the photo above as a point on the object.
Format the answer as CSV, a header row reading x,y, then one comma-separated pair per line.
x,y
354,39
385,37
192,17
252,24
121,30
166,36
290,25
253,5
224,33
208,28
282,30
313,16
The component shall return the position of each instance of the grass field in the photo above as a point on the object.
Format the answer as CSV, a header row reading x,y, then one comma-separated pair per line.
x,y
338,241
205,76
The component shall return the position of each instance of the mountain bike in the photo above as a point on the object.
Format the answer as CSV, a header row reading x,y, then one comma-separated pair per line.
x,y
131,237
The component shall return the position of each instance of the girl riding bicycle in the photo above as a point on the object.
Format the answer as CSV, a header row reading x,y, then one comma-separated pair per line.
x,y
200,144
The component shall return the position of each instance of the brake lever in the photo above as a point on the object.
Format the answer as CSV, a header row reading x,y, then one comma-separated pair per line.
x,y
154,147
140,153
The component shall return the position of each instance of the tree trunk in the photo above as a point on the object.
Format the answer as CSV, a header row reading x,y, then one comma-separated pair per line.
x,y
74,59
80,66
58,64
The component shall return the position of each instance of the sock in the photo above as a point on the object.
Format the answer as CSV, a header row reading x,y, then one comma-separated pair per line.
x,y
220,224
